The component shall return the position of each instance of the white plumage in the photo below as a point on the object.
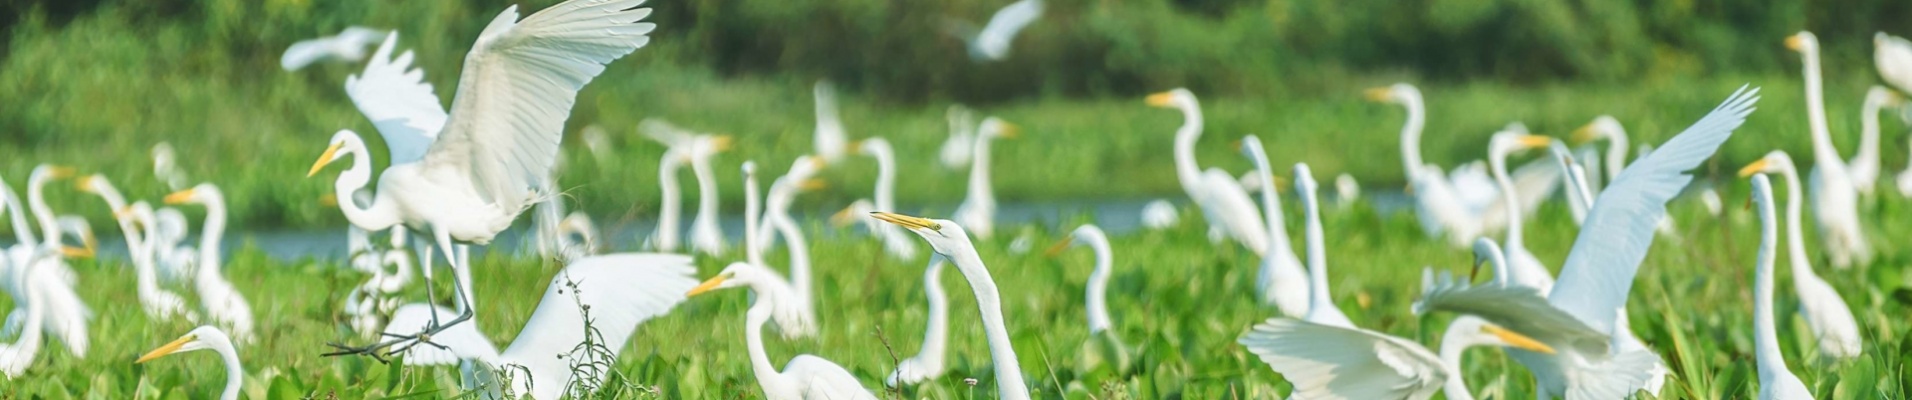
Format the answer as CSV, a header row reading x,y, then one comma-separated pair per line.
x,y
347,46
991,42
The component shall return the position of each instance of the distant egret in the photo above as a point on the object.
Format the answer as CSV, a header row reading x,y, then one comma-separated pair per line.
x,y
706,237
17,356
783,192
347,46
952,242
1460,204
956,150
1224,203
978,210
166,167
206,338
222,302
928,362
1280,281
1346,190
1825,311
1864,166
1160,214
1321,308
830,141
1775,381
793,319
895,242
1527,269
1835,202
1104,345
1606,127
159,303
805,377
991,42
501,135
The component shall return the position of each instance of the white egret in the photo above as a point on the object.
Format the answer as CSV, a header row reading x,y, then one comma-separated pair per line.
x,y
1864,166
611,294
166,167
1321,308
597,141
1104,345
174,257
1825,311
1219,195
793,319
56,227
928,362
347,46
1892,55
159,303
671,209
895,242
1460,204
1280,281
367,302
956,149
1775,381
830,141
1599,271
222,302
1160,214
67,316
978,210
706,236
991,42
1834,201
501,136
17,356
952,242
1346,190
783,191
1527,269
695,149
206,338
1334,362
805,376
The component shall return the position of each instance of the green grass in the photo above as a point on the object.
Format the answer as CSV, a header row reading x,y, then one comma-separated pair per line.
x,y
1179,301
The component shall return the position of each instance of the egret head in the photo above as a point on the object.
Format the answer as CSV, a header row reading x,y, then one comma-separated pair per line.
x,y
872,146
344,143
1304,180
1087,233
1602,127
1251,147
201,338
1803,42
737,274
995,128
1510,142
91,184
1773,163
1883,97
48,172
1178,98
848,215
198,194
1485,251
1478,331
944,236
1399,93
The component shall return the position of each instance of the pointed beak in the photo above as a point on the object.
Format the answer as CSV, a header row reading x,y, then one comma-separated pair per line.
x,y
1584,134
324,158
180,196
1534,141
1753,168
123,213
721,143
855,147
1057,248
1162,99
329,200
86,184
77,252
163,351
812,184
844,217
1379,94
1517,340
907,221
706,286
1010,131
1795,42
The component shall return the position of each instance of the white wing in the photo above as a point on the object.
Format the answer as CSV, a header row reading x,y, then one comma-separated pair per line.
x,y
619,291
994,39
359,36
1325,362
399,102
461,339
1619,229
303,53
520,81
1239,213
1517,308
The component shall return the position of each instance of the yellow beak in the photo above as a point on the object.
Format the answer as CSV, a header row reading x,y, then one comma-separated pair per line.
x,y
1753,168
706,286
179,196
721,143
1161,99
1057,248
123,213
86,184
855,147
329,200
1795,43
1535,141
812,184
163,351
1380,94
1583,135
76,252
843,218
1010,131
1517,340
61,172
907,221
324,158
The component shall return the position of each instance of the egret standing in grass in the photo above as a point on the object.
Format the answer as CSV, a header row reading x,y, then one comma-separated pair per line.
x,y
805,377
1280,282
1864,166
1775,381
895,242
1104,345
1834,199
222,302
949,240
1826,312
1461,204
1321,308
978,210
1527,269
206,338
928,362
159,303
1224,203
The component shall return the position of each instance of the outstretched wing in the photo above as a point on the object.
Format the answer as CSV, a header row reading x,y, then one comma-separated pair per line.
x,y
460,341
1009,20
1619,229
615,291
1326,362
1517,308
399,102
520,81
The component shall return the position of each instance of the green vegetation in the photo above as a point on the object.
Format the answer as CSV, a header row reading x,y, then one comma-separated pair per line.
x,y
1180,302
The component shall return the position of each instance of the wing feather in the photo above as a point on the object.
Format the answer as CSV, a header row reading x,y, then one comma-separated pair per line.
x,y
1619,229
1326,362
399,102
1517,308
521,80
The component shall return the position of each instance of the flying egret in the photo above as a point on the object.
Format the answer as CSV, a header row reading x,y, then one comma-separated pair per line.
x,y
1219,195
1104,345
956,149
1825,311
501,136
222,302
895,242
978,210
1335,362
928,362
1775,381
1321,308
347,46
1527,269
805,376
793,319
159,303
1599,271
1864,166
830,141
206,338
1460,204
1892,55
991,42
615,293
952,242
1160,214
1280,282
1834,201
